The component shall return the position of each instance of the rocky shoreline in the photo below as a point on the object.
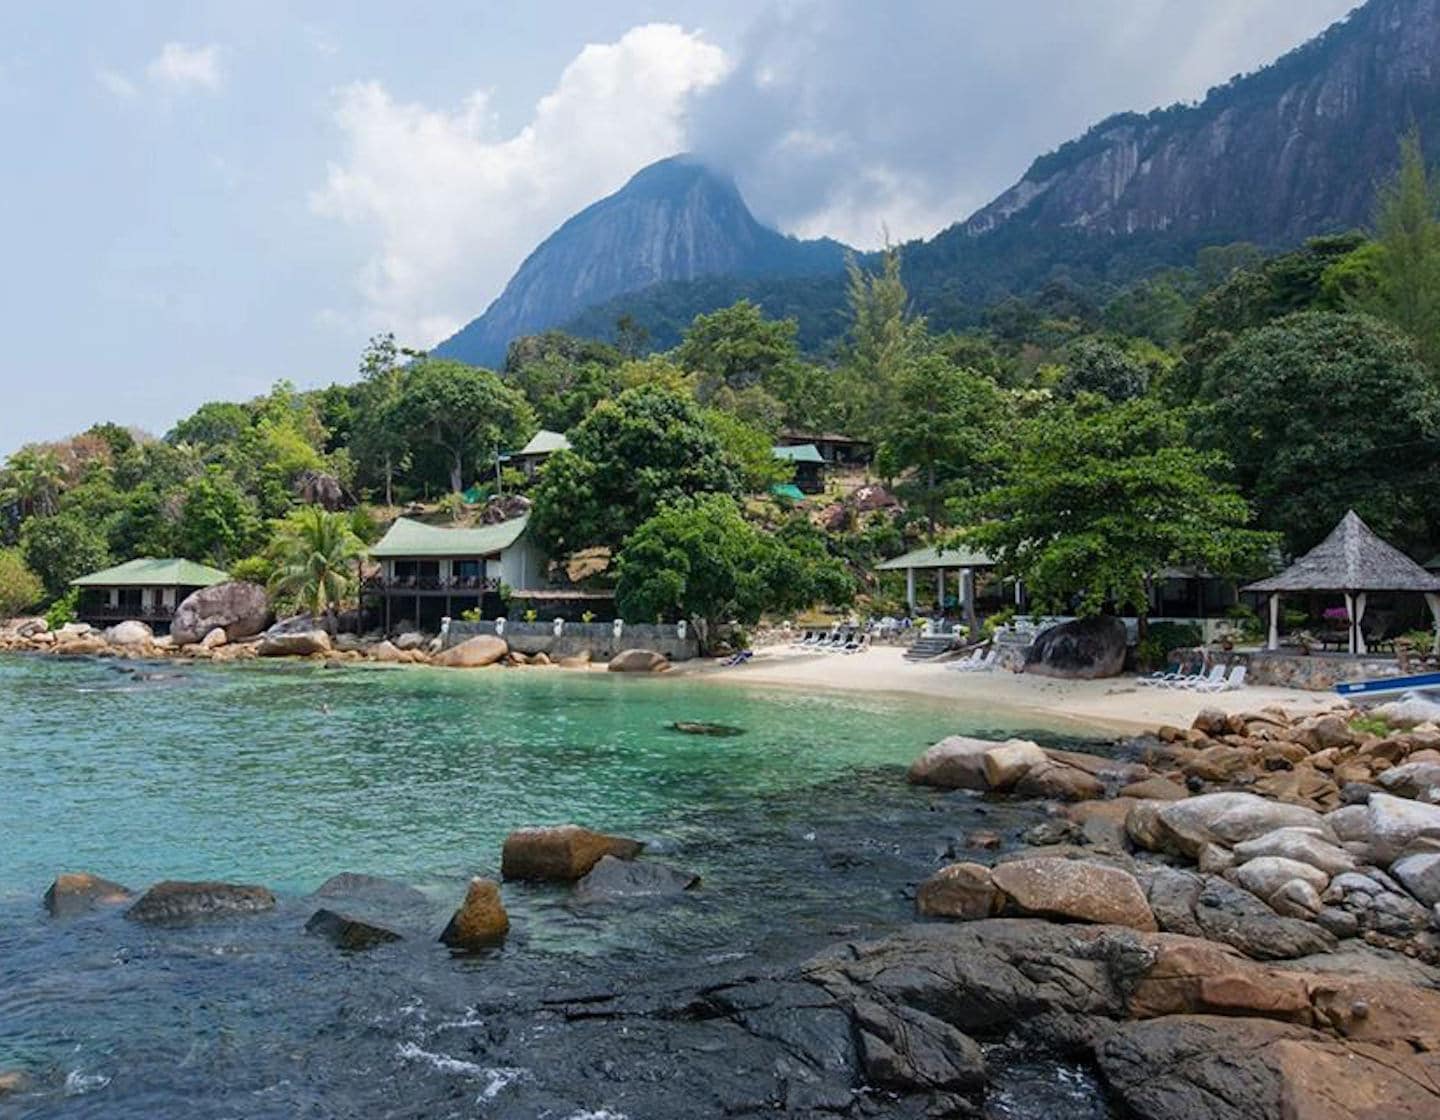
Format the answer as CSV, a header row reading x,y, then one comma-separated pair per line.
x,y
1232,920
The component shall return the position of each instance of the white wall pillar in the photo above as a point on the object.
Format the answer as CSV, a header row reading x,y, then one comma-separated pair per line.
x,y
967,597
910,588
1274,642
940,588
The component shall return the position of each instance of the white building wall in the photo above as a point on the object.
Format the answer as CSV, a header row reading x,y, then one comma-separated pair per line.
x,y
521,566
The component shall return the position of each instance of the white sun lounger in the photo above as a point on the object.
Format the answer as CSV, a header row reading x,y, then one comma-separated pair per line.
x,y
1231,683
1216,676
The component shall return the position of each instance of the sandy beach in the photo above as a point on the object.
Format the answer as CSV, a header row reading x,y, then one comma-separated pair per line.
x,y
1117,704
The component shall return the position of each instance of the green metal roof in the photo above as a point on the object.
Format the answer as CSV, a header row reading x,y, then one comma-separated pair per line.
x,y
805,453
788,490
543,443
408,538
147,572
938,558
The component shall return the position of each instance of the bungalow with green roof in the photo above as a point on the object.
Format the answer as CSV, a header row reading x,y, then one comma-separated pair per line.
x,y
809,466
430,572
542,445
147,589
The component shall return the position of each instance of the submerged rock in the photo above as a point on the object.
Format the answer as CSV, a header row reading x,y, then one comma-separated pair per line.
x,y
481,921
345,932
561,854
75,892
372,890
613,880
13,1081
178,901
715,730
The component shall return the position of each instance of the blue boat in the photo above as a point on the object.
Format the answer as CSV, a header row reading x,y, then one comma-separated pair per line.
x,y
1389,686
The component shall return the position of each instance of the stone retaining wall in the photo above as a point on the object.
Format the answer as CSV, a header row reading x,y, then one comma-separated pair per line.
x,y
595,638
1317,672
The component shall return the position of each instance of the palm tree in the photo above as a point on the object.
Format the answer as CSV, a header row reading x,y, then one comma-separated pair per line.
x,y
33,478
315,555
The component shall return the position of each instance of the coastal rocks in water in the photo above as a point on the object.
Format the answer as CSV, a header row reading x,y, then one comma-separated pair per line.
x,y
345,932
86,646
481,920
911,1050
372,890
1394,824
1226,819
239,608
386,651
13,1081
473,653
178,901
964,891
714,730
1085,649
614,880
1076,890
1007,763
1056,782
302,643
562,854
75,892
954,763
129,633
638,661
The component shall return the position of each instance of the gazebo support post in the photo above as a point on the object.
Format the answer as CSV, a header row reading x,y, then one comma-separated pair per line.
x,y
1433,601
940,589
1274,642
910,588
967,596
1360,646
1350,618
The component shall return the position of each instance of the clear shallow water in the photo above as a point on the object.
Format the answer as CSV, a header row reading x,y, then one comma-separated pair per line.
x,y
802,827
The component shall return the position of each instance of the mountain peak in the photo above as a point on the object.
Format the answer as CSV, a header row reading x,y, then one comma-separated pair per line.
x,y
676,219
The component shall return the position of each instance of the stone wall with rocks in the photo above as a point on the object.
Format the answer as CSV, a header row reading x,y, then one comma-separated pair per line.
x,y
1316,672
579,638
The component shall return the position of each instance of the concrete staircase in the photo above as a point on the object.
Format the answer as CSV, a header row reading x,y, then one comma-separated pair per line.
x,y
926,647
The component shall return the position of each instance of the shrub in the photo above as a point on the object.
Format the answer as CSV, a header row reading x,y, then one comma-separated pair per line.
x,y
63,609
19,586
1164,638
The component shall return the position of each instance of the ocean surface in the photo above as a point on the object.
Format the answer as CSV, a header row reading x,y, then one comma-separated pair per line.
x,y
802,828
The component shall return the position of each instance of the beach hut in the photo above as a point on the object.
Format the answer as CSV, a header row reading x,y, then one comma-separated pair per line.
x,y
147,589
533,455
1354,562
809,466
965,562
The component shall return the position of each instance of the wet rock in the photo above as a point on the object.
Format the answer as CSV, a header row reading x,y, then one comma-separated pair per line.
x,y
129,633
1081,891
983,839
345,932
963,891
1007,763
179,901
238,608
1054,782
13,1081
302,643
1155,789
372,891
481,920
954,763
1051,832
562,854
1084,649
1394,824
473,653
614,880
75,892
638,661
714,730
1305,845
1228,819
906,1048
1209,907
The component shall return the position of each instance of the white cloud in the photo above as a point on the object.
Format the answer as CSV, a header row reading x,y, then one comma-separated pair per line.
x,y
449,207
180,67
116,84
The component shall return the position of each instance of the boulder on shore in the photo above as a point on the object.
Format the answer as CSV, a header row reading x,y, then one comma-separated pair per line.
x,y
345,932
638,661
239,608
954,763
481,921
132,632
562,854
473,653
75,892
178,901
964,891
1225,819
1075,889
1085,649
303,643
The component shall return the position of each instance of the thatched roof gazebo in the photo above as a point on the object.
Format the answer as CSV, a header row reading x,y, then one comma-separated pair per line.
x,y
1352,560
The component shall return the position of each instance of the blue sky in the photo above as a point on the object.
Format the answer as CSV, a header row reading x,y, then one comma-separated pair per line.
x,y
202,198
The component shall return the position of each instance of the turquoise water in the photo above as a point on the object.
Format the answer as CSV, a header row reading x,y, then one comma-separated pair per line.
x,y
285,774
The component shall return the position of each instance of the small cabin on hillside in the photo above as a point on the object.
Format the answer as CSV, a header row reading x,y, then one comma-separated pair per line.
x,y
430,572
835,449
809,466
542,445
147,590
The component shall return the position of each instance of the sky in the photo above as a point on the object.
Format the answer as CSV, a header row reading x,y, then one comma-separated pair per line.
x,y
201,198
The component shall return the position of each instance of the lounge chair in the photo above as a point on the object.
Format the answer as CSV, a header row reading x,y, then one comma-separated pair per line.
x,y
1193,683
737,659
1232,683
965,664
808,638
981,664
857,645
1159,680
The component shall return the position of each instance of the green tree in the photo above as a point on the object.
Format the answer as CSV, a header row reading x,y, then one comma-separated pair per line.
x,y
562,377
1100,498
20,588
1406,288
1103,366
33,479
738,347
883,339
467,413
943,424
648,446
315,554
61,548
698,558
751,449
380,443
1321,413
218,522
216,424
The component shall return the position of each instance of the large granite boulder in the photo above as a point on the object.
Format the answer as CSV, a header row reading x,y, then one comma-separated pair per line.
x,y
473,653
638,661
1225,819
962,890
239,608
481,920
75,892
301,643
1395,824
954,763
1081,650
562,854
129,633
1076,890
178,901
1303,844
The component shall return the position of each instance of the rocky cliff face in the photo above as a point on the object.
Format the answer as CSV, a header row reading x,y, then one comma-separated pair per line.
x,y
1289,151
675,220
